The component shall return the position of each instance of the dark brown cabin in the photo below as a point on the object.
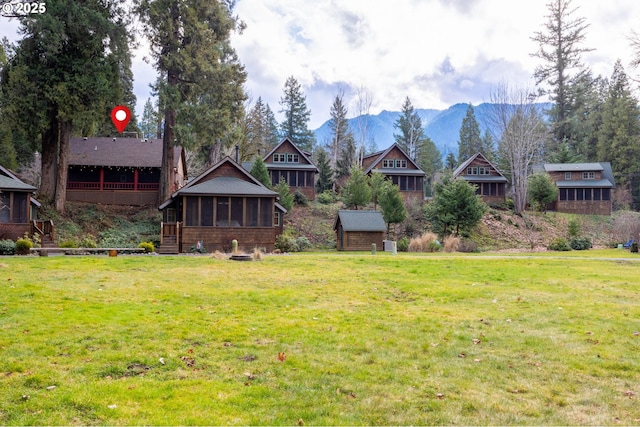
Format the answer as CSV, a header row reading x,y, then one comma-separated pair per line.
x,y
357,230
119,171
18,208
490,184
583,188
398,167
222,204
286,161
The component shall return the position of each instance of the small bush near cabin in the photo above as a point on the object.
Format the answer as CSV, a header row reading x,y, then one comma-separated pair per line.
x,y
559,244
403,244
467,246
580,243
299,199
23,246
69,244
327,197
7,247
147,246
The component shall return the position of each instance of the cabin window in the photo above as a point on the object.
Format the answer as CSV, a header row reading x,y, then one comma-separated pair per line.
x,y
236,212
486,190
588,175
5,208
567,176
191,218
394,179
293,158
206,211
276,218
283,176
310,179
563,194
579,193
388,164
484,171
411,183
222,212
596,194
401,164
252,212
472,171
571,194
171,215
301,176
293,179
279,158
274,177
606,194
266,212
501,189
587,194
403,183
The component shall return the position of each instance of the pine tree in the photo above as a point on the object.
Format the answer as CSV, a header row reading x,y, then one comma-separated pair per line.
x,y
541,190
392,206
411,133
296,116
450,162
560,51
66,73
341,135
356,192
470,141
285,195
325,177
260,172
619,134
201,78
262,128
149,120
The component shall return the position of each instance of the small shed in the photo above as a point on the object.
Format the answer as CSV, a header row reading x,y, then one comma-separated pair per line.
x,y
356,230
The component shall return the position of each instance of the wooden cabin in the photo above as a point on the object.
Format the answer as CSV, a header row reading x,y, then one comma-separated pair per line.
x,y
286,161
583,188
222,204
18,208
357,230
397,166
120,171
490,184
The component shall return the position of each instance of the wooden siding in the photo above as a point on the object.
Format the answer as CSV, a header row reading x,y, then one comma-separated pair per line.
x,y
133,198
219,238
13,231
225,169
575,175
360,240
584,207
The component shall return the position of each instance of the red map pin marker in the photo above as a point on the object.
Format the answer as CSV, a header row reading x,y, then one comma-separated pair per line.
x,y
120,117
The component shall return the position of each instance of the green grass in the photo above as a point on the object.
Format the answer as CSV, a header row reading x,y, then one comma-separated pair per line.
x,y
406,339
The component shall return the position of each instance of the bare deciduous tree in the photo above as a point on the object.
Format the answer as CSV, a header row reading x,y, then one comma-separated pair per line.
x,y
521,132
363,101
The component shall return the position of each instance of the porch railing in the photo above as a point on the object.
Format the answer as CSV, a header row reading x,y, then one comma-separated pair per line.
x,y
127,186
43,227
169,232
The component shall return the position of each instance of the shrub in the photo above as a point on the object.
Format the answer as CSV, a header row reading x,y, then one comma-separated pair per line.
x,y
88,241
302,243
403,244
69,244
573,228
7,247
23,246
285,243
428,242
147,246
580,243
327,197
300,199
451,243
559,244
467,246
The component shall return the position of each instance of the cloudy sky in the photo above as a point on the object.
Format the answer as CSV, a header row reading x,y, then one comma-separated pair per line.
x,y
436,52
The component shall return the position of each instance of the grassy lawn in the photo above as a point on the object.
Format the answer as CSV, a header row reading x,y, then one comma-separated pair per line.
x,y
406,339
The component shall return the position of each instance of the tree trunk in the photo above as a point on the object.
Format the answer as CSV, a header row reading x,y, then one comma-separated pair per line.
x,y
166,171
49,161
63,164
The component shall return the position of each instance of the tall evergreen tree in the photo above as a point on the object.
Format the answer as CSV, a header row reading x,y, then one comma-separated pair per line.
x,y
356,192
149,120
619,133
411,134
262,127
341,135
325,177
450,163
392,206
66,72
260,172
200,88
470,141
296,116
560,49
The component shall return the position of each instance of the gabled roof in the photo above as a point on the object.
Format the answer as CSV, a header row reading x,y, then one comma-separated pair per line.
x,y
479,178
123,152
10,182
606,173
203,184
286,140
355,220
380,155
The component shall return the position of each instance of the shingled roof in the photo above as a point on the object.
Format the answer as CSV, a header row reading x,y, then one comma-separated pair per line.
x,y
123,152
10,182
356,220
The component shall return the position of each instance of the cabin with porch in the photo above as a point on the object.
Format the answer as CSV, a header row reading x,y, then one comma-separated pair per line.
x,y
120,171
357,230
18,208
583,188
398,167
222,204
286,161
490,184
